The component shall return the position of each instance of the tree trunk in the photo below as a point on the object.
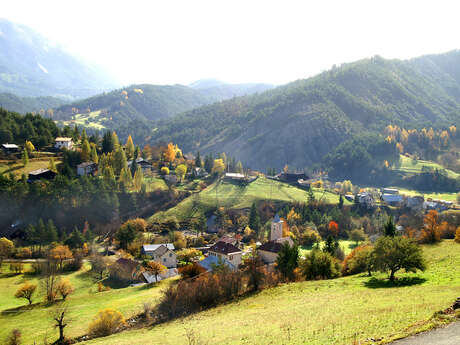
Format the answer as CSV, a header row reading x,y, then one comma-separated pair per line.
x,y
392,276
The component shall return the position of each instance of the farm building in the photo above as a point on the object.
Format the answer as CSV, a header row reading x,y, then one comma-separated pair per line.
x,y
63,142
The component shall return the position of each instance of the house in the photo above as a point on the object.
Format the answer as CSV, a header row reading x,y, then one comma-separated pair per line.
x,y
145,165
390,191
125,270
350,197
162,253
212,261
227,251
40,174
63,142
148,277
392,199
10,148
86,168
415,202
291,177
199,172
269,250
366,199
234,177
228,239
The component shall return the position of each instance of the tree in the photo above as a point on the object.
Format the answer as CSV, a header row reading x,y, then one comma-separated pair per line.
x,y
341,202
164,171
52,165
29,147
357,235
125,235
119,161
107,322
75,239
138,178
93,156
155,268
331,245
126,177
129,147
25,158
99,265
431,232
198,160
26,291
51,232
60,254
457,235
254,267
389,228
116,142
107,142
218,166
287,260
60,319
239,167
254,219
64,288
319,265
6,249
170,153
392,254
359,260
85,151
181,170
333,228
311,196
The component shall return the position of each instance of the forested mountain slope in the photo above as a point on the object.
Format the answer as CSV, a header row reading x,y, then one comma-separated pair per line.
x,y
300,122
29,104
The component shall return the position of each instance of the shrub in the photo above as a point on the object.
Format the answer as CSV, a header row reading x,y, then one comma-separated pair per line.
x,y
191,270
358,261
309,237
287,260
17,267
457,235
14,338
107,321
187,254
319,265
357,235
64,288
164,171
431,232
26,291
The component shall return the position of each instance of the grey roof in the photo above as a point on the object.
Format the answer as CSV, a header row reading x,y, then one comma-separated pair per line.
x,y
39,171
277,219
392,197
154,247
211,261
85,164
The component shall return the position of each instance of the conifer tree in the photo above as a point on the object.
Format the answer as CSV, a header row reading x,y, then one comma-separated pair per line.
x,y
93,156
254,219
390,228
239,167
119,161
116,142
129,147
52,165
83,135
51,232
25,158
85,151
137,152
198,160
107,142
138,179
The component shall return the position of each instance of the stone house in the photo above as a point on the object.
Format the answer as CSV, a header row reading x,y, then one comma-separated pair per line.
x,y
162,253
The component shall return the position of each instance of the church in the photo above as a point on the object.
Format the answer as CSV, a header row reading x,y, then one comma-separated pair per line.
x,y
269,250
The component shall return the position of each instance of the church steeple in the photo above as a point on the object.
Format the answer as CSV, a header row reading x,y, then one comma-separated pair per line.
x,y
276,229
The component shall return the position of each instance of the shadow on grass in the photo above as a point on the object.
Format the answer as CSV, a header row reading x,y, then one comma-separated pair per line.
x,y
375,283
23,308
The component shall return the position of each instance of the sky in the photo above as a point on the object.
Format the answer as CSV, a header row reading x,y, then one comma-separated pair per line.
x,y
172,41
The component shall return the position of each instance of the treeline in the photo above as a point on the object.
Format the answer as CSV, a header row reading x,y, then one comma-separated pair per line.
x,y
364,159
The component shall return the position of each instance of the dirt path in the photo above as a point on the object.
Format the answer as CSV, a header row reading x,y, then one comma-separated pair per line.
x,y
449,335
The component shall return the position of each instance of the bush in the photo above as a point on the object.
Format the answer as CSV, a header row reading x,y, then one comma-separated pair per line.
x,y
309,237
188,254
64,288
358,261
107,321
319,265
457,235
14,338
191,270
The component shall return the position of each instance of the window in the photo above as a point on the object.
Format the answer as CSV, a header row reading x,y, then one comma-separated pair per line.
x,y
164,259
170,255
230,257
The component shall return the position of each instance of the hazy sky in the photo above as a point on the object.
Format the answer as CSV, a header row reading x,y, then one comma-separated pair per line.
x,y
168,41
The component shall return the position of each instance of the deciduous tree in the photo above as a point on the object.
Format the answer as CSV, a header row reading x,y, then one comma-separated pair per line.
x,y
26,291
107,322
155,268
6,249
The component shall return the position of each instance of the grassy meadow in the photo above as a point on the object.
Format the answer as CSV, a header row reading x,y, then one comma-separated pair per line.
x,y
407,166
232,195
17,167
340,311
346,245
89,120
35,321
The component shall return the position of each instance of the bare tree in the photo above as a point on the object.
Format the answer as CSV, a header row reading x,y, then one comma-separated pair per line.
x,y
61,320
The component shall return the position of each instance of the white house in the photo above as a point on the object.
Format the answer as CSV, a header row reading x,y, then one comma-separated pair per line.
x,y
162,253
86,168
227,251
63,142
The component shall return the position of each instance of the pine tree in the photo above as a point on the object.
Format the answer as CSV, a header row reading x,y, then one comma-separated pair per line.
x,y
119,161
239,167
83,135
75,240
51,232
85,151
254,219
93,156
25,158
107,142
390,228
134,167
198,160
126,177
341,201
116,142
311,196
129,147
137,152
138,178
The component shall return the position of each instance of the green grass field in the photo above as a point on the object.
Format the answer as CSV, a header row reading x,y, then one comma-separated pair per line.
x,y
346,245
17,168
407,167
155,183
89,120
35,322
338,311
443,196
236,196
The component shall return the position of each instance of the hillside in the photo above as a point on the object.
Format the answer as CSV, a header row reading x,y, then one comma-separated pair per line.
x,y
341,311
30,65
29,104
146,103
302,121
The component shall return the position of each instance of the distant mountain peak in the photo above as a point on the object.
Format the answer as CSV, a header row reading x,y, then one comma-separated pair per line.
x,y
206,83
